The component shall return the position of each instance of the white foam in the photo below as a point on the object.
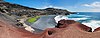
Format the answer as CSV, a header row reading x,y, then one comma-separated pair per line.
x,y
60,17
93,24
77,19
76,15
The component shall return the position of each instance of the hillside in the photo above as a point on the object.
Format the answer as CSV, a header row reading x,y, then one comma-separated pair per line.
x,y
19,10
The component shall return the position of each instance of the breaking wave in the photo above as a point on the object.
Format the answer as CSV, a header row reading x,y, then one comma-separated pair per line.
x,y
93,24
84,19
60,17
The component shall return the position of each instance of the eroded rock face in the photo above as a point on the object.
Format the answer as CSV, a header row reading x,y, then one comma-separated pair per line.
x,y
11,31
64,23
67,23
97,29
64,29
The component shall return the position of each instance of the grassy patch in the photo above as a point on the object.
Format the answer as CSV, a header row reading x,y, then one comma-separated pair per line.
x,y
33,19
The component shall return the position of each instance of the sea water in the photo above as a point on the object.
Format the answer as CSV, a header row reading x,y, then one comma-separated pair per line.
x,y
91,19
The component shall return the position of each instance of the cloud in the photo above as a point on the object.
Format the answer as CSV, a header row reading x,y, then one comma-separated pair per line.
x,y
92,7
51,6
95,10
94,4
89,10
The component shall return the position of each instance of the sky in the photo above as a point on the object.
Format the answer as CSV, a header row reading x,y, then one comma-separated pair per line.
x,y
70,5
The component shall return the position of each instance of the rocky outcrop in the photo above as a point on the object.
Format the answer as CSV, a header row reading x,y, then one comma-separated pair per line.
x,y
10,31
67,23
97,29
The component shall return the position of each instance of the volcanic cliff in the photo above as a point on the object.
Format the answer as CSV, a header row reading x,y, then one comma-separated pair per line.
x,y
64,29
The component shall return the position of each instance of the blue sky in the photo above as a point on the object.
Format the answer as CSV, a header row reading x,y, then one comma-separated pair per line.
x,y
71,5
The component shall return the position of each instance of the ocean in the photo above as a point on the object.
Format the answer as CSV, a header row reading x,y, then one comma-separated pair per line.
x,y
91,19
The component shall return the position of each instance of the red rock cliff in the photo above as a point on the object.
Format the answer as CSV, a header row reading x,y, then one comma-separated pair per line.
x,y
64,29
